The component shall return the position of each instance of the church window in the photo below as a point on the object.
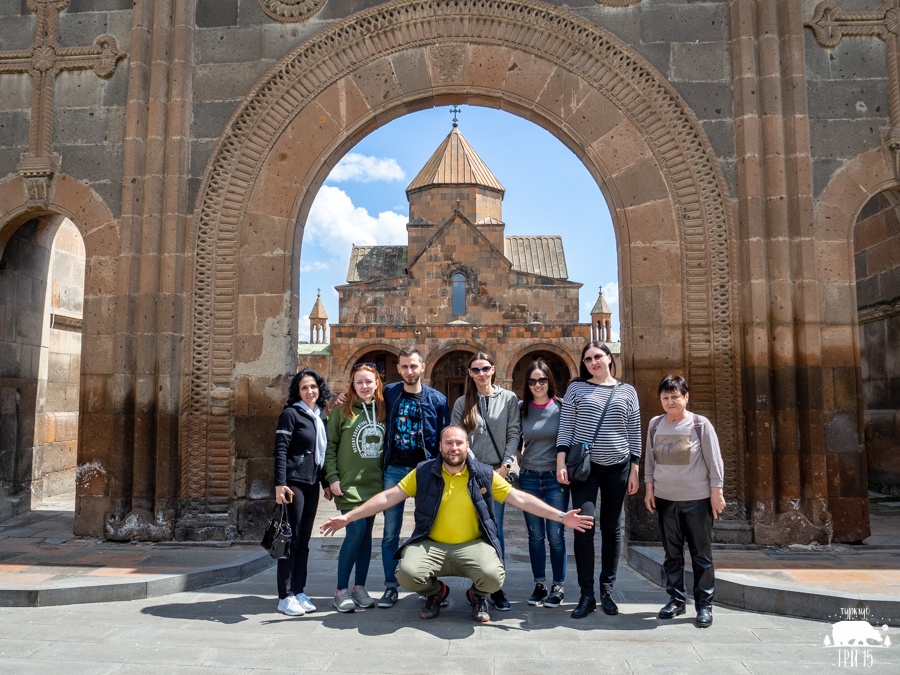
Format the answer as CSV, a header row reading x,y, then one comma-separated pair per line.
x,y
459,293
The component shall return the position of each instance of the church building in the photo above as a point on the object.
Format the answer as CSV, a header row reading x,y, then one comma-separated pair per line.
x,y
459,286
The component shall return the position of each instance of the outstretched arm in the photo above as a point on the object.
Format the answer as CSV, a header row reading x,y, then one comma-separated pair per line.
x,y
380,502
535,506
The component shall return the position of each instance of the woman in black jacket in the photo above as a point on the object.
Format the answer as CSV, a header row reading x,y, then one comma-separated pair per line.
x,y
300,444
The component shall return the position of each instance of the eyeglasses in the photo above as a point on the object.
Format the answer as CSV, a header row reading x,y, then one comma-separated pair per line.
x,y
595,357
484,370
539,382
360,365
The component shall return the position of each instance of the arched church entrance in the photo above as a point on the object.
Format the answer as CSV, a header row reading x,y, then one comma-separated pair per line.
x,y
385,363
634,134
42,266
449,374
558,367
876,245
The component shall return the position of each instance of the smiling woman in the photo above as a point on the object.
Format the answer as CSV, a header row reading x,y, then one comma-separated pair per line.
x,y
363,200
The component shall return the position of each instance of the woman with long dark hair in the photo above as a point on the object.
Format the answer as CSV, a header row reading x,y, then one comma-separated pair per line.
x,y
490,416
354,473
537,474
603,412
300,444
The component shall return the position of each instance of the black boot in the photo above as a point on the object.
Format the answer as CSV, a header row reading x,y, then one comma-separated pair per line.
x,y
586,605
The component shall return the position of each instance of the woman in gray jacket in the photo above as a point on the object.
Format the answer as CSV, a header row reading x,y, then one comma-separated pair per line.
x,y
490,415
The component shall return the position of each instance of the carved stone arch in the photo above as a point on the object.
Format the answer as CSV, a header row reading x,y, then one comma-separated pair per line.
x,y
432,358
624,121
564,356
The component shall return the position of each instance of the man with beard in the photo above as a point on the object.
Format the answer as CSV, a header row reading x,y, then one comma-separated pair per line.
x,y
456,531
416,415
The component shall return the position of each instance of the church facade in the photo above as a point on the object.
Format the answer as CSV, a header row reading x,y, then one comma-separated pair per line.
x,y
460,286
749,153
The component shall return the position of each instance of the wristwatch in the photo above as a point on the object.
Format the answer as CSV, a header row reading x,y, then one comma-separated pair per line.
x,y
561,516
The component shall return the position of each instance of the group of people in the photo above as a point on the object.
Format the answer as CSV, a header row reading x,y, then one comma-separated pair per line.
x,y
383,444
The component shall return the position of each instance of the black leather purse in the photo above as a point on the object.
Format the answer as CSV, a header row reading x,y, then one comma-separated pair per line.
x,y
277,537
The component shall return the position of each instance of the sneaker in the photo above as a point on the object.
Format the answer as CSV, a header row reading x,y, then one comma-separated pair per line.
x,y
343,601
557,595
470,595
537,597
500,601
391,595
306,603
290,606
480,612
433,603
361,597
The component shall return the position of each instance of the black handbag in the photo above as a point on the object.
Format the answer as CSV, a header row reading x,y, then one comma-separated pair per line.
x,y
277,537
578,456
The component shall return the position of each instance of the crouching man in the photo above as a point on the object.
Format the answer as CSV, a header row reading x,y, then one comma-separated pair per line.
x,y
455,529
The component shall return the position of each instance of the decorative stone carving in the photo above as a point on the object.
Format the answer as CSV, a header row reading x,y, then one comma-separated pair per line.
x,y
830,24
44,60
617,3
554,35
447,61
290,11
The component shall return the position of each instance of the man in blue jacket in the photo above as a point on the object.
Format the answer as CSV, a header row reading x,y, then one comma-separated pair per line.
x,y
416,416
456,529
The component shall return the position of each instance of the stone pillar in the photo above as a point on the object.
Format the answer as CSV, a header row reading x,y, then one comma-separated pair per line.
x,y
142,459
787,376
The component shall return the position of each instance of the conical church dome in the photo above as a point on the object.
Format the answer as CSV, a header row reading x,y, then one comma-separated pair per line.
x,y
455,163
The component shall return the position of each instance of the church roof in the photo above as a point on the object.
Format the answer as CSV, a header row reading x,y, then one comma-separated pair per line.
x,y
371,263
600,307
541,255
318,310
455,163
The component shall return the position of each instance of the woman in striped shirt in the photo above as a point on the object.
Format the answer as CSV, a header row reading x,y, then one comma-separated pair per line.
x,y
615,457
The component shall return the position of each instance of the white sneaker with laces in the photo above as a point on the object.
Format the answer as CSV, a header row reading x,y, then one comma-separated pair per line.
x,y
306,603
290,606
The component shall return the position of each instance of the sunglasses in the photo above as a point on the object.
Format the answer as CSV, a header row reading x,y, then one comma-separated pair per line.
x,y
484,371
360,365
595,357
539,382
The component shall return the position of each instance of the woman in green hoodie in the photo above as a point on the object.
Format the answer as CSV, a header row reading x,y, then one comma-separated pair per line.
x,y
354,474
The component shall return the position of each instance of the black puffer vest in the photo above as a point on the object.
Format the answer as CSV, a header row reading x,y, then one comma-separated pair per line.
x,y
430,491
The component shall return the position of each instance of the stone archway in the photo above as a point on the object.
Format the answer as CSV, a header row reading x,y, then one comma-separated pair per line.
x,y
633,132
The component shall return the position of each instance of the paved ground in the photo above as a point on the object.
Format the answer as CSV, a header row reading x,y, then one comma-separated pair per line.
x,y
234,628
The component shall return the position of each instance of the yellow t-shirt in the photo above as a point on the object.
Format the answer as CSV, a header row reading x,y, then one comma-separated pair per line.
x,y
457,521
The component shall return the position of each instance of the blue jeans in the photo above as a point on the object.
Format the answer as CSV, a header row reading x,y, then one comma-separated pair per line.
x,y
393,521
356,550
543,485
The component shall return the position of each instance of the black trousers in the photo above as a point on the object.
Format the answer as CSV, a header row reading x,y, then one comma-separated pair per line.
x,y
611,482
689,521
291,573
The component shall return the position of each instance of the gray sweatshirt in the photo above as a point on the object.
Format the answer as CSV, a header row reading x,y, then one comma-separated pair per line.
x,y
681,466
502,408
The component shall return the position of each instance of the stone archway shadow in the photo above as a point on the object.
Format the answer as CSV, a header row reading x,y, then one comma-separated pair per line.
x,y
629,127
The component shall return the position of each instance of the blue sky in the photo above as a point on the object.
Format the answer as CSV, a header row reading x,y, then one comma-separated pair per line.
x,y
548,191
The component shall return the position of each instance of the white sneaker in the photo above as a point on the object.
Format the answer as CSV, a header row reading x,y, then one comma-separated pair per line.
x,y
290,606
343,601
306,603
361,597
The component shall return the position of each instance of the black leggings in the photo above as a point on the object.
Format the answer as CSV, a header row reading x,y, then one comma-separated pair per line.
x,y
302,514
612,483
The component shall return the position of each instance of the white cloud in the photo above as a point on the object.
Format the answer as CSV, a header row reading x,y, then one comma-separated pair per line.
x,y
335,224
611,293
366,169
313,266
